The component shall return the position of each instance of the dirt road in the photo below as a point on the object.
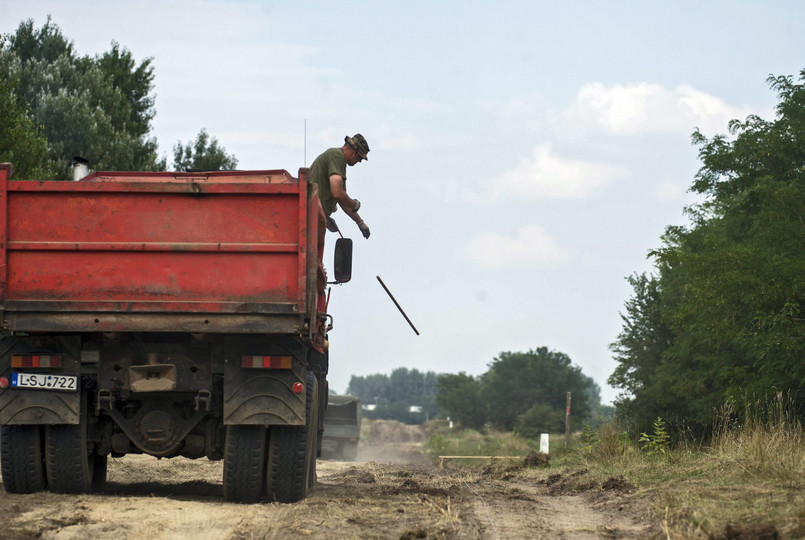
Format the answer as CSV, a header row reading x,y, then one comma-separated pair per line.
x,y
180,498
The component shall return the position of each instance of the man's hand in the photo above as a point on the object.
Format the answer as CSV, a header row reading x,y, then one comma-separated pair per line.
x,y
332,226
364,229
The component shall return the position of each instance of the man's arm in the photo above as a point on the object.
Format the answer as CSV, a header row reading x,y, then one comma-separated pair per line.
x,y
347,203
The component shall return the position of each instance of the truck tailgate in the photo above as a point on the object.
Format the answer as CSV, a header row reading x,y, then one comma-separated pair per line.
x,y
209,252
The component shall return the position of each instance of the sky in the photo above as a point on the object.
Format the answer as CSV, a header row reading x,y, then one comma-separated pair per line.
x,y
525,155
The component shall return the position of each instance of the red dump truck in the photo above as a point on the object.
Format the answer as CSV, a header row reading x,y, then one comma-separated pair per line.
x,y
169,314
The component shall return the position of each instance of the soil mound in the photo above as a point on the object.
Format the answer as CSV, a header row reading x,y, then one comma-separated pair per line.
x,y
537,459
391,431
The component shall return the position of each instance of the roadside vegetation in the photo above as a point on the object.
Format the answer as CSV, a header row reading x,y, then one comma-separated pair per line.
x,y
56,104
747,481
708,427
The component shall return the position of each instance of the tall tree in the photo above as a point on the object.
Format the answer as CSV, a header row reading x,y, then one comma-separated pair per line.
x,y
515,382
459,397
728,321
639,350
204,154
21,140
407,395
98,108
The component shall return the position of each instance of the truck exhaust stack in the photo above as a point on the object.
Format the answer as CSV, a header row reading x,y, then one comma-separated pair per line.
x,y
80,168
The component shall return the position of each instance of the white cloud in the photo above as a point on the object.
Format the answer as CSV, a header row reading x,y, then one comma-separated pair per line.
x,y
531,247
644,108
547,176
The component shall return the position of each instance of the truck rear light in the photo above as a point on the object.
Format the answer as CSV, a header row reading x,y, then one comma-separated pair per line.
x,y
298,388
36,361
270,362
3,382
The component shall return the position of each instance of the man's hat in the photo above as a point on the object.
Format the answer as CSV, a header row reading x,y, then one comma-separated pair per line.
x,y
358,142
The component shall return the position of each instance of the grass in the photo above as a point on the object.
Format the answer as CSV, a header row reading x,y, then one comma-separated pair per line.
x,y
749,478
469,442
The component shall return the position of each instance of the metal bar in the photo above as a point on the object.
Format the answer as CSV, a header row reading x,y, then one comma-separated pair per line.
x,y
5,171
270,323
303,240
398,305
119,186
152,246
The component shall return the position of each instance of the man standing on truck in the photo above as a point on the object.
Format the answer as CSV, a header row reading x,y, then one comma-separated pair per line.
x,y
329,172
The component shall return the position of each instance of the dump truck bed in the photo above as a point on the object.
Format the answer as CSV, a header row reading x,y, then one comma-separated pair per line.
x,y
342,427
206,252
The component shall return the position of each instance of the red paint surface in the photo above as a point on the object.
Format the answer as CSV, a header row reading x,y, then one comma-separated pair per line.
x,y
223,242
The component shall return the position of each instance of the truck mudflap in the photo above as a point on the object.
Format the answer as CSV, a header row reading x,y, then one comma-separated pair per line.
x,y
19,406
265,381
264,396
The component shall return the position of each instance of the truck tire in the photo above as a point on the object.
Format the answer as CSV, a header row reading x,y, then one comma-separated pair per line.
x,y
292,452
21,458
244,463
69,460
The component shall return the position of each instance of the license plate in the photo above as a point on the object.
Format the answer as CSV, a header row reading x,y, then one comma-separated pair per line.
x,y
44,381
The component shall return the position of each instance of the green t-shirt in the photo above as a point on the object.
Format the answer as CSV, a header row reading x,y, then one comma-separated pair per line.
x,y
330,162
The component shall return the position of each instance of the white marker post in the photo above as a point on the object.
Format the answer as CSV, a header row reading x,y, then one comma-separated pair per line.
x,y
543,443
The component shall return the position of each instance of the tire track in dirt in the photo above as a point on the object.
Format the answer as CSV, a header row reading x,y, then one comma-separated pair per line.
x,y
181,498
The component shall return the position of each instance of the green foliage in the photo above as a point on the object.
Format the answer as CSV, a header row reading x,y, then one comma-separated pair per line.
x,y
639,350
656,442
470,442
515,382
459,397
21,140
99,108
724,316
588,438
393,396
524,392
540,418
610,443
205,154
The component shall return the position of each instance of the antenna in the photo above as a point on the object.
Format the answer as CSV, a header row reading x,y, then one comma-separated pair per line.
x,y
305,156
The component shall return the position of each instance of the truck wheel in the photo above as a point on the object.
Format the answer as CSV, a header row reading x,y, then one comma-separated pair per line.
x,y
21,458
292,452
313,451
69,459
244,463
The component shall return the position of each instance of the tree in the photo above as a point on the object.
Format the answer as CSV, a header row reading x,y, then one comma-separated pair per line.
x,y
395,395
98,108
599,413
205,154
515,382
459,397
725,318
638,350
540,418
21,140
